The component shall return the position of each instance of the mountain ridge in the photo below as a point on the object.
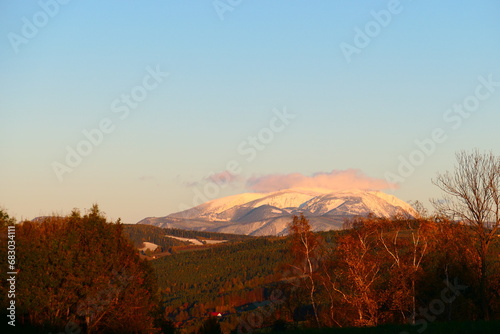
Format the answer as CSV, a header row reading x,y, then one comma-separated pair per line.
x,y
270,213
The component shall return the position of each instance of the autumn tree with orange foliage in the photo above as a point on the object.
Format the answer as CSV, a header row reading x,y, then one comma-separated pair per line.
x,y
81,271
408,242
357,272
388,270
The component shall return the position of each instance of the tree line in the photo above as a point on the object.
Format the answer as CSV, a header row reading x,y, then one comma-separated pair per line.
x,y
391,270
409,268
79,273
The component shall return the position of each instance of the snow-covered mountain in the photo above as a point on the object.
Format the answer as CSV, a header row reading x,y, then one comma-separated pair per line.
x,y
270,213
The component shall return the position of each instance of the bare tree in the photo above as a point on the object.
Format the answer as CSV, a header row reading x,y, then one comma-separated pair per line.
x,y
305,248
420,211
473,197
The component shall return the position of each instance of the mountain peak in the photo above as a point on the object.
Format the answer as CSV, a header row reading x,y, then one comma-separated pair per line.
x,y
270,213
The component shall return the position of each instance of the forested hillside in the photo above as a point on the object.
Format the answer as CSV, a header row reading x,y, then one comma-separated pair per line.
x,y
138,233
78,270
201,235
233,279
376,271
221,279
141,233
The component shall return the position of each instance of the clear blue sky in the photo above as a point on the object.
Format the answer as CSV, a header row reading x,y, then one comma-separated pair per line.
x,y
65,68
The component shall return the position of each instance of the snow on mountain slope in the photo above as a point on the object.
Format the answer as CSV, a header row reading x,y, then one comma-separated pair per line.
x,y
270,213
216,206
356,203
262,212
394,201
226,208
285,198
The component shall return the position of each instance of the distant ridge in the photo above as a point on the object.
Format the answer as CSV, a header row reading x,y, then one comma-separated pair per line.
x,y
270,213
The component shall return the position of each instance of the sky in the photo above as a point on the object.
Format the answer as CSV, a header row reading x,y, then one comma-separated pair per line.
x,y
147,108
